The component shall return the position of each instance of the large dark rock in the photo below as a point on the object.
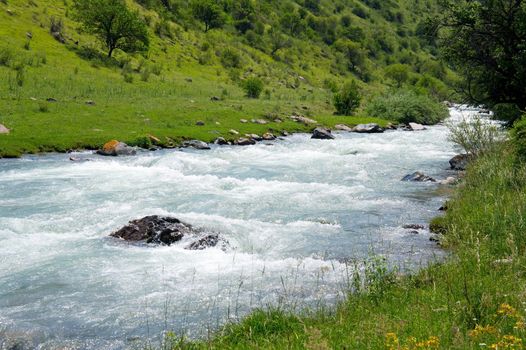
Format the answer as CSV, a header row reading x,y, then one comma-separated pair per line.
x,y
115,148
245,142
322,134
221,141
370,128
460,162
418,177
154,229
196,144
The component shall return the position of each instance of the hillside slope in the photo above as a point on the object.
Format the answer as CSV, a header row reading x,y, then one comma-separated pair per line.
x,y
60,95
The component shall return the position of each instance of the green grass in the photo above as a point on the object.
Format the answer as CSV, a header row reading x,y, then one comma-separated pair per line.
x,y
483,284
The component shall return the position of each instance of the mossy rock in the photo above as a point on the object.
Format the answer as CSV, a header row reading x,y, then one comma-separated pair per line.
x,y
438,225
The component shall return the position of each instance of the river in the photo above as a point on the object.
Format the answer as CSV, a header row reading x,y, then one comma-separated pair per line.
x,y
295,212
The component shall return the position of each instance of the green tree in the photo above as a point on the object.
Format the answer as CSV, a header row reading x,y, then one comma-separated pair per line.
x,y
114,24
348,99
486,41
397,72
209,12
278,41
253,87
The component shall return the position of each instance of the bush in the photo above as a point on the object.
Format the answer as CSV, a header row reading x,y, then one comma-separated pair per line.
x,y
348,99
405,106
518,135
508,112
476,136
230,59
253,87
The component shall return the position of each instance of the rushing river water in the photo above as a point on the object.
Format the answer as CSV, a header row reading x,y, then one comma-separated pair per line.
x,y
294,211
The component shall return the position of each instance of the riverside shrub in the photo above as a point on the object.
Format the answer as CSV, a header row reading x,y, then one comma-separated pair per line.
x,y
347,100
405,106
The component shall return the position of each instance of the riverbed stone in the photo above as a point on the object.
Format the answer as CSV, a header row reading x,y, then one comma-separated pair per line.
x,y
4,130
322,134
418,177
116,148
208,241
304,120
154,229
343,127
197,144
221,141
416,127
245,142
459,162
268,136
371,128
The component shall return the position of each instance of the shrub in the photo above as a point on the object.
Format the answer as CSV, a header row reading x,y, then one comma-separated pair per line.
x,y
253,87
518,135
348,99
230,59
508,112
475,136
405,106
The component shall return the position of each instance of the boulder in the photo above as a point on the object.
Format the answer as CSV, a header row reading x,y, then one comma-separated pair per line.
x,y
3,129
116,148
268,136
254,137
196,144
418,177
304,120
416,127
322,134
370,128
154,229
221,141
459,162
207,241
342,127
245,142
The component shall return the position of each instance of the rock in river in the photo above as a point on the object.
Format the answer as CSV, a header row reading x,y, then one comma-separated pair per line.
x,y
196,144
416,127
371,128
418,177
459,162
116,148
322,134
154,229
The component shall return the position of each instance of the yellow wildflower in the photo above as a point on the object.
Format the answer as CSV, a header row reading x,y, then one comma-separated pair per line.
x,y
507,310
481,330
508,342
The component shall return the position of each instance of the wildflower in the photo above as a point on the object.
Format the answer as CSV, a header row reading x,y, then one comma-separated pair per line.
x,y
481,330
391,341
519,325
507,310
508,342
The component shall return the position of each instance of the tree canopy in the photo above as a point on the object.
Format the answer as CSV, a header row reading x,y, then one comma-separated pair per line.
x,y
486,41
114,24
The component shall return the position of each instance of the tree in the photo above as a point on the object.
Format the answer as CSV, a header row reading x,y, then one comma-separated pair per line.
x,y
397,72
114,24
253,87
209,12
485,40
278,41
348,99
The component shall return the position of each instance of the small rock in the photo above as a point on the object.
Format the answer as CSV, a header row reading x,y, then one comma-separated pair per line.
x,y
444,207
205,242
4,130
391,126
33,99
189,80
413,227
200,123
304,120
416,127
221,141
277,120
460,162
51,99
449,181
78,160
245,142
268,136
215,98
116,148
284,133
342,127
259,121
322,134
418,177
58,37
196,144
29,35
255,137
234,132
90,103
370,128
244,121
154,139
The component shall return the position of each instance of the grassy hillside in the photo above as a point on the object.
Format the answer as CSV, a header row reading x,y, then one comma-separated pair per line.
x,y
167,89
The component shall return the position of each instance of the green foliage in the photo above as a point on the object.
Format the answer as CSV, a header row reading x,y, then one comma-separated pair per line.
x,y
476,136
230,59
508,112
485,41
399,73
253,87
438,225
114,24
405,106
519,137
209,12
348,99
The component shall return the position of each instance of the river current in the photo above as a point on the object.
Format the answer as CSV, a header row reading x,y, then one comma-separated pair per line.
x,y
295,211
